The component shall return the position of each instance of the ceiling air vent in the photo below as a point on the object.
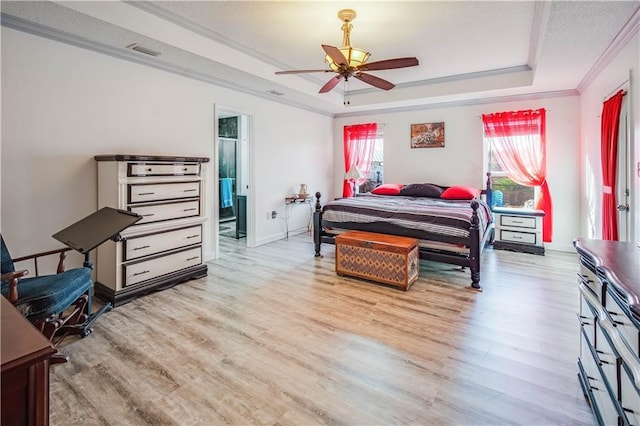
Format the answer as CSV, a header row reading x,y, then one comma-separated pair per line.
x,y
142,49
275,92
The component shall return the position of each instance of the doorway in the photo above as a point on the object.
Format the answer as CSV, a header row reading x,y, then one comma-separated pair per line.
x,y
233,177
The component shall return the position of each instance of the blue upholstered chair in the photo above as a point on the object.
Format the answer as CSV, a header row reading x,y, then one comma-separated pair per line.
x,y
46,300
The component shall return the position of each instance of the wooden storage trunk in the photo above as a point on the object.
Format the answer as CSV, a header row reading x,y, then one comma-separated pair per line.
x,y
386,259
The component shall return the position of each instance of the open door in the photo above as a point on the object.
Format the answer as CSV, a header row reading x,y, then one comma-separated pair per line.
x,y
233,173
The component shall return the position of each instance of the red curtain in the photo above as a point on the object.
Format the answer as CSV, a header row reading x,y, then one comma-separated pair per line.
x,y
359,143
608,158
518,140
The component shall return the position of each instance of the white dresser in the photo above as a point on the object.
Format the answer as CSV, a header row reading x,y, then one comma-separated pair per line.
x,y
518,230
165,247
609,360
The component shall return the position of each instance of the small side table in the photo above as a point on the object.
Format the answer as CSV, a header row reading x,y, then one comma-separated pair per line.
x,y
519,230
291,201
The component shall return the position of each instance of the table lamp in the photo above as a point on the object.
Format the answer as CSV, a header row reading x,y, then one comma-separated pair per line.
x,y
352,175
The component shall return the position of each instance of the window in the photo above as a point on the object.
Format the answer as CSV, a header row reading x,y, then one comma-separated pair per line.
x,y
517,144
507,193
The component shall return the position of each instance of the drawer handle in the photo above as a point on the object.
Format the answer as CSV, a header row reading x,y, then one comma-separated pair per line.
x,y
193,236
141,248
585,278
148,214
189,210
190,190
517,221
193,258
184,169
140,273
146,193
149,169
367,244
581,320
627,410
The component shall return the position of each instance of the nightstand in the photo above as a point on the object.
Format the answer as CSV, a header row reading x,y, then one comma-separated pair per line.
x,y
519,230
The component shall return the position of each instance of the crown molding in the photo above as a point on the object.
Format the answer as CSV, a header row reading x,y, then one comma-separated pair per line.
x,y
189,25
462,103
620,41
29,27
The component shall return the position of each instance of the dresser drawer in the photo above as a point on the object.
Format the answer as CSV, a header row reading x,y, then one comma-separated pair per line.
x,y
517,237
624,326
145,169
587,321
607,358
142,271
157,243
163,191
167,211
629,399
590,280
518,221
605,406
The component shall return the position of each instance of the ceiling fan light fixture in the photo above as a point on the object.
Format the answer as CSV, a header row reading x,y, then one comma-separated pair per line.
x,y
353,55
349,62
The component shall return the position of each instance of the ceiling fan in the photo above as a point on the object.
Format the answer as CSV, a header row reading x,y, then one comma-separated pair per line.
x,y
350,62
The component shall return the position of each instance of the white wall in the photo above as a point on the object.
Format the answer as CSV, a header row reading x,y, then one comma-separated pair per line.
x,y
617,72
61,105
461,161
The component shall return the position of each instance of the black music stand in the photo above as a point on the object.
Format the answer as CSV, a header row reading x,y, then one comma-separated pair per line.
x,y
87,234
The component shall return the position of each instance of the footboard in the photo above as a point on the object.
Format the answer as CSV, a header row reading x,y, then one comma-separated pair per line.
x,y
475,244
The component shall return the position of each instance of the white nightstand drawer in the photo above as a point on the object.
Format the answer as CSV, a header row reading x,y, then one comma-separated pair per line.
x,y
163,191
515,237
518,221
142,271
157,243
168,211
163,169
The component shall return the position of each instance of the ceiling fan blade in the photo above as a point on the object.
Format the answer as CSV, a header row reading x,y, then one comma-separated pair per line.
x,y
335,54
375,81
300,71
331,84
389,64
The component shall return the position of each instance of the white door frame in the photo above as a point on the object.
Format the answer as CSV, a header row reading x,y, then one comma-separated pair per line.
x,y
624,171
251,234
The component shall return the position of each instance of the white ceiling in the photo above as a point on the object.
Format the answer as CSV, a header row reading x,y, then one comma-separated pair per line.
x,y
468,50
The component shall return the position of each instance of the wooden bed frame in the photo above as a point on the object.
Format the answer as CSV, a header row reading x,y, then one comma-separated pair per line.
x,y
476,242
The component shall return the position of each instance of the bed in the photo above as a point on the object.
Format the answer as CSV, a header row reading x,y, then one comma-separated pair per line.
x,y
453,231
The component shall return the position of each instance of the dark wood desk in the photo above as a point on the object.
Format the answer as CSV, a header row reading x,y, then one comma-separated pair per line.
x,y
24,374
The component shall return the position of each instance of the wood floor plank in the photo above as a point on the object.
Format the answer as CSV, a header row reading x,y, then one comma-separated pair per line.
x,y
272,336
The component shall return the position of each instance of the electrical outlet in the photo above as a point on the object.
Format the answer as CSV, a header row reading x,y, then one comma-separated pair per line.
x,y
274,214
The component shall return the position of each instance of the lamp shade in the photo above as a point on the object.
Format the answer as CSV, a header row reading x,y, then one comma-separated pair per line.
x,y
353,55
353,173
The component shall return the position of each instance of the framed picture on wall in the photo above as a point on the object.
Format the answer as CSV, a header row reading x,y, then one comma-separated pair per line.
x,y
427,135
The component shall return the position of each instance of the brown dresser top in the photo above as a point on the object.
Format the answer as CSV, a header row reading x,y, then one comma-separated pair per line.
x,y
22,344
619,263
162,158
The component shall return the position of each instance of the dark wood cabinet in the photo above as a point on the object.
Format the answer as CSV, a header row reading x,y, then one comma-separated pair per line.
x,y
25,355
609,360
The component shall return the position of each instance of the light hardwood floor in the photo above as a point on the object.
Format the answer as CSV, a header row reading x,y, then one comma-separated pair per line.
x,y
272,336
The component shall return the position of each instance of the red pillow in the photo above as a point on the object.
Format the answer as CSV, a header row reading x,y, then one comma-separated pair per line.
x,y
387,189
460,193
